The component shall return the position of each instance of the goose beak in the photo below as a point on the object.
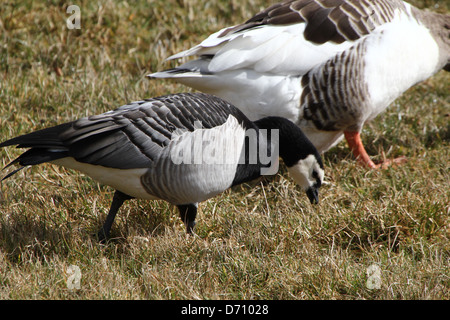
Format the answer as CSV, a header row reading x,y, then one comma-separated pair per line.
x,y
313,195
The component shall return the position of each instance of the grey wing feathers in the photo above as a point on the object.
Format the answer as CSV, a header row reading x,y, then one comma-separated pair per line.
x,y
131,136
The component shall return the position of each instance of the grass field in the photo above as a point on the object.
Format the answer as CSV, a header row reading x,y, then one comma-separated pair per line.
x,y
261,240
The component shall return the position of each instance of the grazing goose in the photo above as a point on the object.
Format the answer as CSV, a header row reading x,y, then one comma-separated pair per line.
x,y
182,148
327,65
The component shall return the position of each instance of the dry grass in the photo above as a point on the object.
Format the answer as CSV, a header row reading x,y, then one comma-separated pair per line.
x,y
258,241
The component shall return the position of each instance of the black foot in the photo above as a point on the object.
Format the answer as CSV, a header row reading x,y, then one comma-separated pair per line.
x,y
188,212
190,227
118,199
101,236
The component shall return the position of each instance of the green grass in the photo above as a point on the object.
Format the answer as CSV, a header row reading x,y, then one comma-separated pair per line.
x,y
261,240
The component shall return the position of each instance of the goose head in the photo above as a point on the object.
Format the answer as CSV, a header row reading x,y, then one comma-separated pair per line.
x,y
309,174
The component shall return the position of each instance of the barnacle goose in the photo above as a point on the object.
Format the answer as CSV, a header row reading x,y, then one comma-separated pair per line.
x,y
182,148
327,65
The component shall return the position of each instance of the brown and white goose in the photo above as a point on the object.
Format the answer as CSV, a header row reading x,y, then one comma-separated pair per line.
x,y
327,65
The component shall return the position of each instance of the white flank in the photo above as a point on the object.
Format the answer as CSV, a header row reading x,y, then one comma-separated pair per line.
x,y
127,181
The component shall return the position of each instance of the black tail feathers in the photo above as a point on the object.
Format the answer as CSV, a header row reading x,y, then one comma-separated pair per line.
x,y
35,156
45,145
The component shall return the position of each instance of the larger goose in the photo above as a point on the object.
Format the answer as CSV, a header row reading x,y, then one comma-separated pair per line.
x,y
182,148
327,65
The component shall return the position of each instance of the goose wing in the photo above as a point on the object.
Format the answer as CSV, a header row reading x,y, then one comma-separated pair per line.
x,y
132,136
290,37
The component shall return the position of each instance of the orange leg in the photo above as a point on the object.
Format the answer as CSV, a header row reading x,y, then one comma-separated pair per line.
x,y
355,144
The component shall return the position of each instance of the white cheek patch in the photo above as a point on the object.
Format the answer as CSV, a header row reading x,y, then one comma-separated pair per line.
x,y
301,172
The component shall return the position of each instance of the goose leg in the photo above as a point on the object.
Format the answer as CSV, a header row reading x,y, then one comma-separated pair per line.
x,y
118,199
188,212
355,144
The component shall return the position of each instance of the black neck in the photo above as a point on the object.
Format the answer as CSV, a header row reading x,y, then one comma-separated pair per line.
x,y
292,145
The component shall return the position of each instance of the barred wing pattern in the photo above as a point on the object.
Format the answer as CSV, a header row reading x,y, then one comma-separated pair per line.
x,y
147,124
326,20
